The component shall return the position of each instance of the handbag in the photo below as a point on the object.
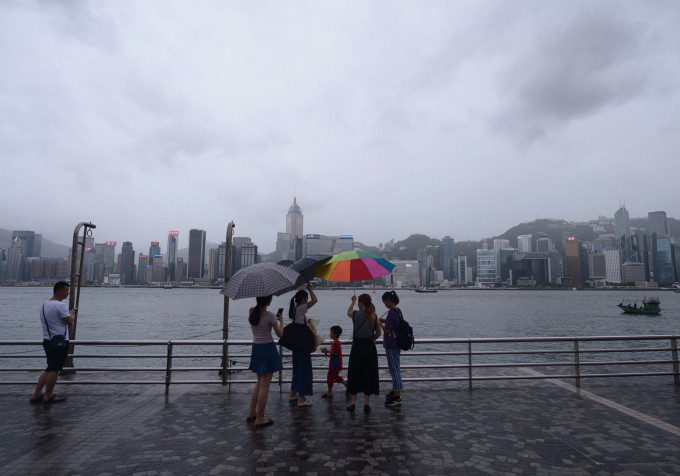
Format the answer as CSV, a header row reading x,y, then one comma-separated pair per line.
x,y
58,341
298,337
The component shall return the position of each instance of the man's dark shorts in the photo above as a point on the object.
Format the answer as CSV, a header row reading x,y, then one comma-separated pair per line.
x,y
55,357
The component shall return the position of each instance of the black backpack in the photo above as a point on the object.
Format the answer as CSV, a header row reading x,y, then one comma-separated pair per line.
x,y
404,333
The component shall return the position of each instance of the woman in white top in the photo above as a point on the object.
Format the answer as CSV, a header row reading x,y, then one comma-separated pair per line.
x,y
264,358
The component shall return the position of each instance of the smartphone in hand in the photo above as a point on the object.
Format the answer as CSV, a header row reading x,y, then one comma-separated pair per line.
x,y
280,311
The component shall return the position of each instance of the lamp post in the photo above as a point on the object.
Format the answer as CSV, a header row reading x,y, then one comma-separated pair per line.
x,y
77,259
225,313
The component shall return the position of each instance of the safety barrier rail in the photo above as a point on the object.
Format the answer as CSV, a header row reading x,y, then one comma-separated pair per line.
x,y
455,359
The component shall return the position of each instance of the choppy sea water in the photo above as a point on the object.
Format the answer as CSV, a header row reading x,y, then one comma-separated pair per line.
x,y
188,313
181,313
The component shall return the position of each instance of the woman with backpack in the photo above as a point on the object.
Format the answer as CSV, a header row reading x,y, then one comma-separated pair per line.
x,y
389,326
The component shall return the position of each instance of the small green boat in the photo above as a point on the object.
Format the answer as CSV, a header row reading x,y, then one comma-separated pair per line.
x,y
650,306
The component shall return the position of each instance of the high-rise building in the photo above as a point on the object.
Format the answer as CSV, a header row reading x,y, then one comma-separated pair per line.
x,y
142,263
196,266
544,245
31,243
295,229
173,237
3,265
461,270
127,263
657,223
324,245
486,267
572,251
158,272
524,244
664,273
248,254
613,265
446,258
623,237
154,249
597,266
110,254
180,269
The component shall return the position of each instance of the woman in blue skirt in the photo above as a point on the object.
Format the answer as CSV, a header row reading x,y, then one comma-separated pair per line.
x,y
264,358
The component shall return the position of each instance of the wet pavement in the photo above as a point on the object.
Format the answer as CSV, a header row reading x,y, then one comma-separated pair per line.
x,y
615,426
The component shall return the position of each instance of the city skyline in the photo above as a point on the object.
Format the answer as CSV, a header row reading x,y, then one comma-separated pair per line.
x,y
448,118
181,238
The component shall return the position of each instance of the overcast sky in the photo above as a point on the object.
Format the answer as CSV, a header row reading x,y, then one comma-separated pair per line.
x,y
384,118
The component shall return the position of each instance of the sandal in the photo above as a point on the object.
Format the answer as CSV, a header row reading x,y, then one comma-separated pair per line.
x,y
326,395
33,401
250,419
262,425
55,399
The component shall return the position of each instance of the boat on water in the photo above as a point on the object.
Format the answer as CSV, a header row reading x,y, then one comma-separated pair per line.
x,y
423,289
650,306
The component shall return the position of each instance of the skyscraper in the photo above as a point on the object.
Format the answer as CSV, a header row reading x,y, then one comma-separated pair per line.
x,y
524,244
657,223
173,237
127,263
572,251
31,243
196,253
623,237
154,249
294,229
446,258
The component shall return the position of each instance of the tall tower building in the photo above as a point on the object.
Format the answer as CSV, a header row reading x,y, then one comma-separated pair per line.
x,y
173,239
31,243
447,258
294,229
154,249
657,223
621,223
127,263
572,250
196,253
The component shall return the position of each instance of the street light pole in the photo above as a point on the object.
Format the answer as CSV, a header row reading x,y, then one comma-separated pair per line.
x,y
77,259
225,312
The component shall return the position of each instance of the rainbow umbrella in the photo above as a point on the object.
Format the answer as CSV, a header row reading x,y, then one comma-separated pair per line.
x,y
350,266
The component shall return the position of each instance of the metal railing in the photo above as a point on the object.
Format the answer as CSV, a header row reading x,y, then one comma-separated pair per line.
x,y
457,359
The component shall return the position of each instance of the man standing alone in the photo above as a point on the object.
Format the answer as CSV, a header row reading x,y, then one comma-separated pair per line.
x,y
55,318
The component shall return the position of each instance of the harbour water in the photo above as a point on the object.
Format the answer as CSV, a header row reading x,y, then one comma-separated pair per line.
x,y
185,313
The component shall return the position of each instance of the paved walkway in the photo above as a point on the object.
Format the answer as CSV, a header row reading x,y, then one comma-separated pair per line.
x,y
529,427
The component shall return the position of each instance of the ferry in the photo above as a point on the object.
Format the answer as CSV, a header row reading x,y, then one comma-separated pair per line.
x,y
423,289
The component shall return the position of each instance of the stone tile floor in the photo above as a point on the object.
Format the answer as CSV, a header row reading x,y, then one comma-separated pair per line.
x,y
517,427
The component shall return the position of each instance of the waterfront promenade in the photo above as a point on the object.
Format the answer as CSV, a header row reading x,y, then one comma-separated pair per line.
x,y
613,426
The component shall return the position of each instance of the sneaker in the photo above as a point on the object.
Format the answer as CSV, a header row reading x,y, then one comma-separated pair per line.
x,y
292,396
393,402
389,397
306,403
367,409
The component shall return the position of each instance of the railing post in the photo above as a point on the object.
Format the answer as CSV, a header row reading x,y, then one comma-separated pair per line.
x,y
469,365
168,368
225,350
281,371
674,353
577,363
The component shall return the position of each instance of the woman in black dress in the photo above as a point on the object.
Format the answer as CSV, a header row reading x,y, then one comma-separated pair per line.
x,y
362,371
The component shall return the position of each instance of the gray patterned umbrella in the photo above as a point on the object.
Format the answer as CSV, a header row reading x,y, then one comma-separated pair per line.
x,y
261,279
